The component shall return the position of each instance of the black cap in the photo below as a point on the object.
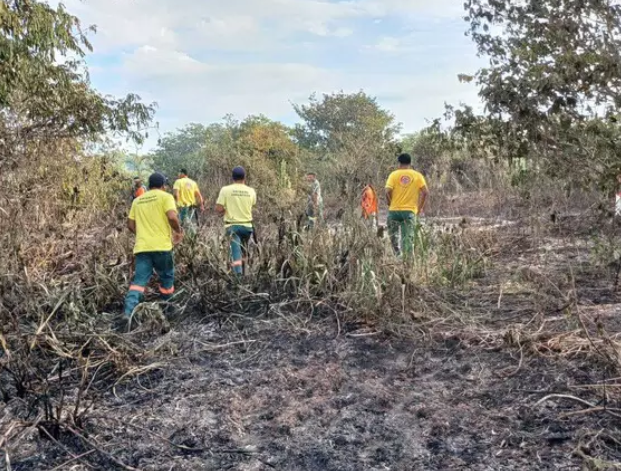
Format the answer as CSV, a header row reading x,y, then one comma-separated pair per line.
x,y
239,173
157,180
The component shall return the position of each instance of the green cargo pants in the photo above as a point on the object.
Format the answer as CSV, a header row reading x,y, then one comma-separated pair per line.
x,y
402,228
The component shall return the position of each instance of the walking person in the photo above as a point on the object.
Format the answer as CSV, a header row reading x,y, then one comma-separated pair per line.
x,y
153,219
188,198
406,194
139,189
235,203
369,205
314,205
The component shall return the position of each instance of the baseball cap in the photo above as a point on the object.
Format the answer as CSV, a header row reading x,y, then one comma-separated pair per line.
x,y
239,173
156,180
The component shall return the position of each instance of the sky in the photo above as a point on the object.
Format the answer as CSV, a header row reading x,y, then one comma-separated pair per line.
x,y
203,59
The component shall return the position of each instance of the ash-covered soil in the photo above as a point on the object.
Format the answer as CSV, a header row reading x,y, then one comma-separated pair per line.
x,y
292,393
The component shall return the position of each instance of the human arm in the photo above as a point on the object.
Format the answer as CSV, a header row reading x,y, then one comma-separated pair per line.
x,y
422,199
173,220
131,220
176,191
423,192
221,204
389,187
200,199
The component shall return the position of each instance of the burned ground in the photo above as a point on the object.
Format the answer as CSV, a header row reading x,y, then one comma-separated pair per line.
x,y
515,374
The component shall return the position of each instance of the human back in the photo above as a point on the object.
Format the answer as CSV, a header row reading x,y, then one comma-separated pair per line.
x,y
238,200
153,231
406,185
187,189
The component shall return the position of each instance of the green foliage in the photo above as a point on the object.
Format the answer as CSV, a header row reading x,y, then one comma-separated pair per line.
x,y
552,87
264,147
343,121
351,135
42,98
183,149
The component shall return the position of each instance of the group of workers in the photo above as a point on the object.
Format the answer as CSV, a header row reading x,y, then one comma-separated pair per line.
x,y
158,218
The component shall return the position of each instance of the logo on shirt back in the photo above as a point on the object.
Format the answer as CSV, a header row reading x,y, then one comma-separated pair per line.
x,y
405,180
188,186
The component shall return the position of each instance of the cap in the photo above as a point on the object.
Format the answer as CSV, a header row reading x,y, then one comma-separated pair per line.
x,y
157,180
239,173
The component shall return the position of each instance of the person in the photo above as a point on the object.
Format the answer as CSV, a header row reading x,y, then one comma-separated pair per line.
x,y
369,205
187,195
139,189
153,219
314,206
406,194
235,203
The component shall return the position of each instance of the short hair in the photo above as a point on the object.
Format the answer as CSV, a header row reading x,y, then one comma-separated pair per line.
x,y
183,171
405,159
311,173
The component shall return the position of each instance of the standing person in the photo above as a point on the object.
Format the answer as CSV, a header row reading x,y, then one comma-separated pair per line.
x,y
406,193
369,205
235,203
153,219
314,206
139,189
187,196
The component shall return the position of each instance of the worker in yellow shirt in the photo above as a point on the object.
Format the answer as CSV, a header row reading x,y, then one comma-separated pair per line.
x,y
188,197
406,193
153,218
235,203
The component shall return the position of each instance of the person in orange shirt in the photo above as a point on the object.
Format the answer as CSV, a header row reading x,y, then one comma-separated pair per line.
x,y
139,188
369,205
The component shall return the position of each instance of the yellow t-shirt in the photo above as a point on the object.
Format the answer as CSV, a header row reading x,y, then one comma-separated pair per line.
x,y
187,191
153,232
238,200
406,185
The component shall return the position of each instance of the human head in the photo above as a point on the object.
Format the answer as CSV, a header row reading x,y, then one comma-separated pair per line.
x,y
311,176
157,181
404,160
183,173
137,181
239,174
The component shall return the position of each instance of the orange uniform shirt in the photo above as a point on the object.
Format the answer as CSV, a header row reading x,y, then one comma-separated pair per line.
x,y
369,201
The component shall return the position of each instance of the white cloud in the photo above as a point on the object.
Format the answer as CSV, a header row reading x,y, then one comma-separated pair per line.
x,y
198,91
202,59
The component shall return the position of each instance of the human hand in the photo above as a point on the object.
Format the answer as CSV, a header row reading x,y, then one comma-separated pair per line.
x,y
177,237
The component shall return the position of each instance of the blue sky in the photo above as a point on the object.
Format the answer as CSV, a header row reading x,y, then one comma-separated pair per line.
x,y
202,59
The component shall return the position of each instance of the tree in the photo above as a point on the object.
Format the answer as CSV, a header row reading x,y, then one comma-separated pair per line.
x,y
42,98
553,85
352,132
269,144
184,148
